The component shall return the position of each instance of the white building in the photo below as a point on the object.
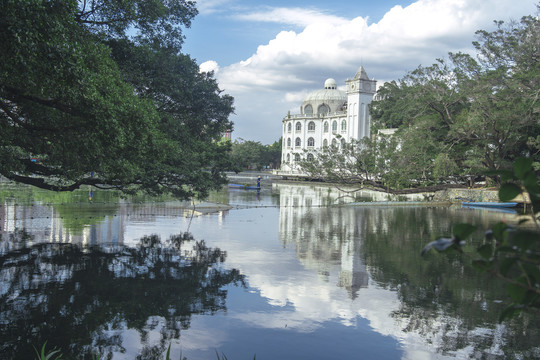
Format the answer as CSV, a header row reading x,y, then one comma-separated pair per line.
x,y
327,117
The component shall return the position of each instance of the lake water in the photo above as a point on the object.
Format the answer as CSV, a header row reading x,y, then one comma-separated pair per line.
x,y
283,274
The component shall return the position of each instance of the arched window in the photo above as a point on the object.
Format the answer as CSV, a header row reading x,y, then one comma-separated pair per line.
x,y
311,142
288,157
323,110
289,127
310,157
288,142
334,126
308,110
334,142
298,126
296,157
342,143
297,142
343,125
326,126
325,143
311,126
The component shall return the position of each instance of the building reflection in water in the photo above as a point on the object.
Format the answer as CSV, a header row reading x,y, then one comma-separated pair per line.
x,y
325,237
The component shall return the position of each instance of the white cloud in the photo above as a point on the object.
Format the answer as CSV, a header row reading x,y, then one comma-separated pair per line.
x,y
295,97
211,6
208,66
269,83
292,16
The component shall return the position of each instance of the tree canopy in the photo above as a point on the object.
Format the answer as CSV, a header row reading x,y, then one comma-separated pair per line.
x,y
98,93
455,120
248,154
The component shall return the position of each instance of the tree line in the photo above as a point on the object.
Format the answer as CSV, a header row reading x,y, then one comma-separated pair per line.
x,y
252,155
454,121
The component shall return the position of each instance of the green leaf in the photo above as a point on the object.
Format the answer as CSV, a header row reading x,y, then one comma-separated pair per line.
x,y
522,166
508,313
525,239
481,265
530,181
516,292
499,231
506,175
506,265
532,272
509,191
462,231
506,249
486,251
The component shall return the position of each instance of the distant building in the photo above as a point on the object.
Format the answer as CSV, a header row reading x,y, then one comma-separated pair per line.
x,y
327,117
227,135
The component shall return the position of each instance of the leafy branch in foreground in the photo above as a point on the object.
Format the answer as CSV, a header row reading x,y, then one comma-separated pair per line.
x,y
511,254
84,102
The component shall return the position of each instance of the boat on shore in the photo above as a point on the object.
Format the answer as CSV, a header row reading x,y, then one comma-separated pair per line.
x,y
490,204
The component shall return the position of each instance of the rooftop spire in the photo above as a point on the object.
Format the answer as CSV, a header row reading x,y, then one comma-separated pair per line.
x,y
361,74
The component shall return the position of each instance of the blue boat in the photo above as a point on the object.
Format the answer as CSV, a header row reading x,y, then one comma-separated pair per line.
x,y
492,208
490,204
245,187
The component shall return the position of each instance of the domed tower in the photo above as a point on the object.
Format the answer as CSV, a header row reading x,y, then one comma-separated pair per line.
x,y
360,91
328,117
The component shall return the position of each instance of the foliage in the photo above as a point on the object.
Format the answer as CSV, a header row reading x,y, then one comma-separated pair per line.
x,y
508,253
373,162
248,154
84,103
350,163
460,117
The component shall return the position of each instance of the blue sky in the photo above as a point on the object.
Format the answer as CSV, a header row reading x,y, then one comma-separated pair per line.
x,y
270,54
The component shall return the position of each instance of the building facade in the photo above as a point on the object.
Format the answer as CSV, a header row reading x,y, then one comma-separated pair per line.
x,y
328,116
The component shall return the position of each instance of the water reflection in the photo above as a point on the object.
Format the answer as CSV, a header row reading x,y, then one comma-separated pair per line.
x,y
85,300
324,236
324,281
374,251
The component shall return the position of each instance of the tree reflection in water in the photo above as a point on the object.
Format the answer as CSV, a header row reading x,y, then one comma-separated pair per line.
x,y
450,304
79,298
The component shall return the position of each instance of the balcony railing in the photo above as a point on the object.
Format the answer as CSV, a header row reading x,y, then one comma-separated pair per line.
x,y
314,116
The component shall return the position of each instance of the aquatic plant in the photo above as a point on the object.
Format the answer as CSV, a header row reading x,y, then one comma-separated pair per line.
x,y
48,355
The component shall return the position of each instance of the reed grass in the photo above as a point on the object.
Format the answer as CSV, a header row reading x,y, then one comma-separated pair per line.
x,y
47,356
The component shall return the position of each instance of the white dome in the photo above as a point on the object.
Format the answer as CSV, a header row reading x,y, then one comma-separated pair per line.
x,y
330,84
326,95
330,96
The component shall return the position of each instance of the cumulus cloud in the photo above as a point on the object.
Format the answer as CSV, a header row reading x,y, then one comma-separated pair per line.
x,y
296,62
208,66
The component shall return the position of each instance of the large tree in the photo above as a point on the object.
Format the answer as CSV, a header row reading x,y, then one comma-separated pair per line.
x,y
98,93
461,117
502,84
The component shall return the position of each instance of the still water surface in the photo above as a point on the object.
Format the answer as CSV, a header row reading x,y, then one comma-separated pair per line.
x,y
284,274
